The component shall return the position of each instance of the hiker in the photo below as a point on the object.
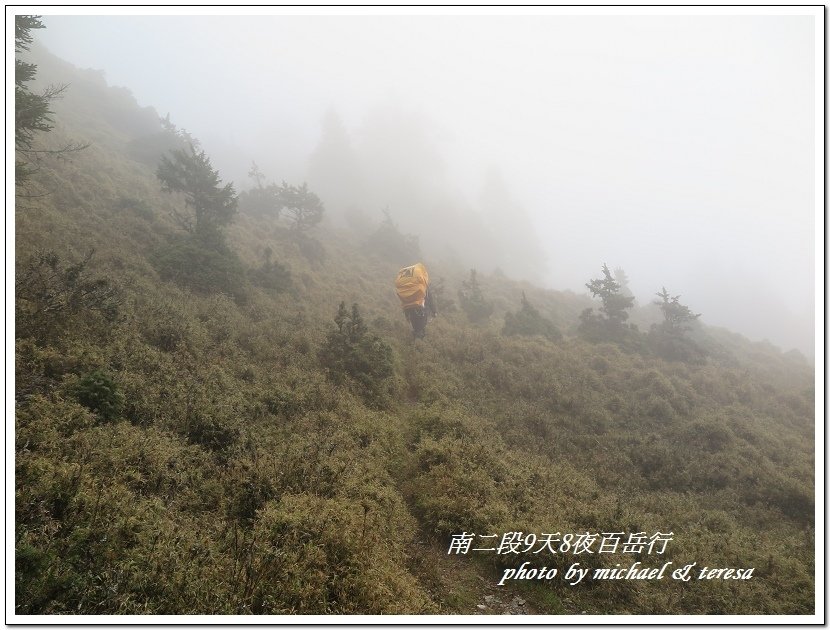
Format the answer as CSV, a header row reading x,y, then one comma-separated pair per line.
x,y
418,303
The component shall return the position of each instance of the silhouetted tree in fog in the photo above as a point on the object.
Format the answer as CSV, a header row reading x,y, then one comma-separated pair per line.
x,y
31,111
260,200
676,316
622,279
472,300
189,171
609,323
529,321
353,353
334,168
668,339
256,174
391,244
302,206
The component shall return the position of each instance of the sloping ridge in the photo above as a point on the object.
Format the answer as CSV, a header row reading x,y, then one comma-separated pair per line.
x,y
182,449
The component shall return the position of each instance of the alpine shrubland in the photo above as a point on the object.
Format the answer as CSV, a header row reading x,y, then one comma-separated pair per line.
x,y
236,419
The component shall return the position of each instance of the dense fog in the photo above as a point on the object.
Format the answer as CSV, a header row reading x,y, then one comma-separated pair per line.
x,y
681,149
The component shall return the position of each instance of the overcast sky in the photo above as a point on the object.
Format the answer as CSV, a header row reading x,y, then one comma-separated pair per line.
x,y
680,148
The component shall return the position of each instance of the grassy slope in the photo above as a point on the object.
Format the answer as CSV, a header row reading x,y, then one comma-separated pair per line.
x,y
238,478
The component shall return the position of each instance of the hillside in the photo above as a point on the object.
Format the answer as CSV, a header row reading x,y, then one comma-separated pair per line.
x,y
192,435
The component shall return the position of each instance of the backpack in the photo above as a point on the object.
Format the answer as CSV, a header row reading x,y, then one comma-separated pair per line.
x,y
411,286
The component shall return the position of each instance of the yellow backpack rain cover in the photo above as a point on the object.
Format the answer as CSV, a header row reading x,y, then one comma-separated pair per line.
x,y
411,285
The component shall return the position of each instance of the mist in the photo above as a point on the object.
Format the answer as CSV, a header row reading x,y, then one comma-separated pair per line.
x,y
679,148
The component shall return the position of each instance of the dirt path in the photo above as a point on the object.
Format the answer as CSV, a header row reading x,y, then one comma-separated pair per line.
x,y
461,586
503,603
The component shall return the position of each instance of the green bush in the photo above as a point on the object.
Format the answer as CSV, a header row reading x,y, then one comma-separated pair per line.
x,y
352,352
260,201
674,346
211,432
528,321
311,249
98,392
149,149
301,397
332,556
272,275
201,267
472,300
609,324
391,244
52,296
139,207
708,436
457,475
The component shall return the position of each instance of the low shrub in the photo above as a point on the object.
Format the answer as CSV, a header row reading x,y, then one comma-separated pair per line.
x,y
271,275
528,321
51,296
336,556
98,392
201,267
391,244
472,300
352,352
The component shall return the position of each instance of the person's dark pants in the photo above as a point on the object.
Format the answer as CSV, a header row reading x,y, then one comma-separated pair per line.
x,y
418,318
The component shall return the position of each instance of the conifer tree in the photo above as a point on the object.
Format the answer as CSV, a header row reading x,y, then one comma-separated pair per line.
x,y
302,206
614,303
392,244
529,321
189,171
622,279
472,299
676,316
609,324
352,352
32,114
261,200
668,339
